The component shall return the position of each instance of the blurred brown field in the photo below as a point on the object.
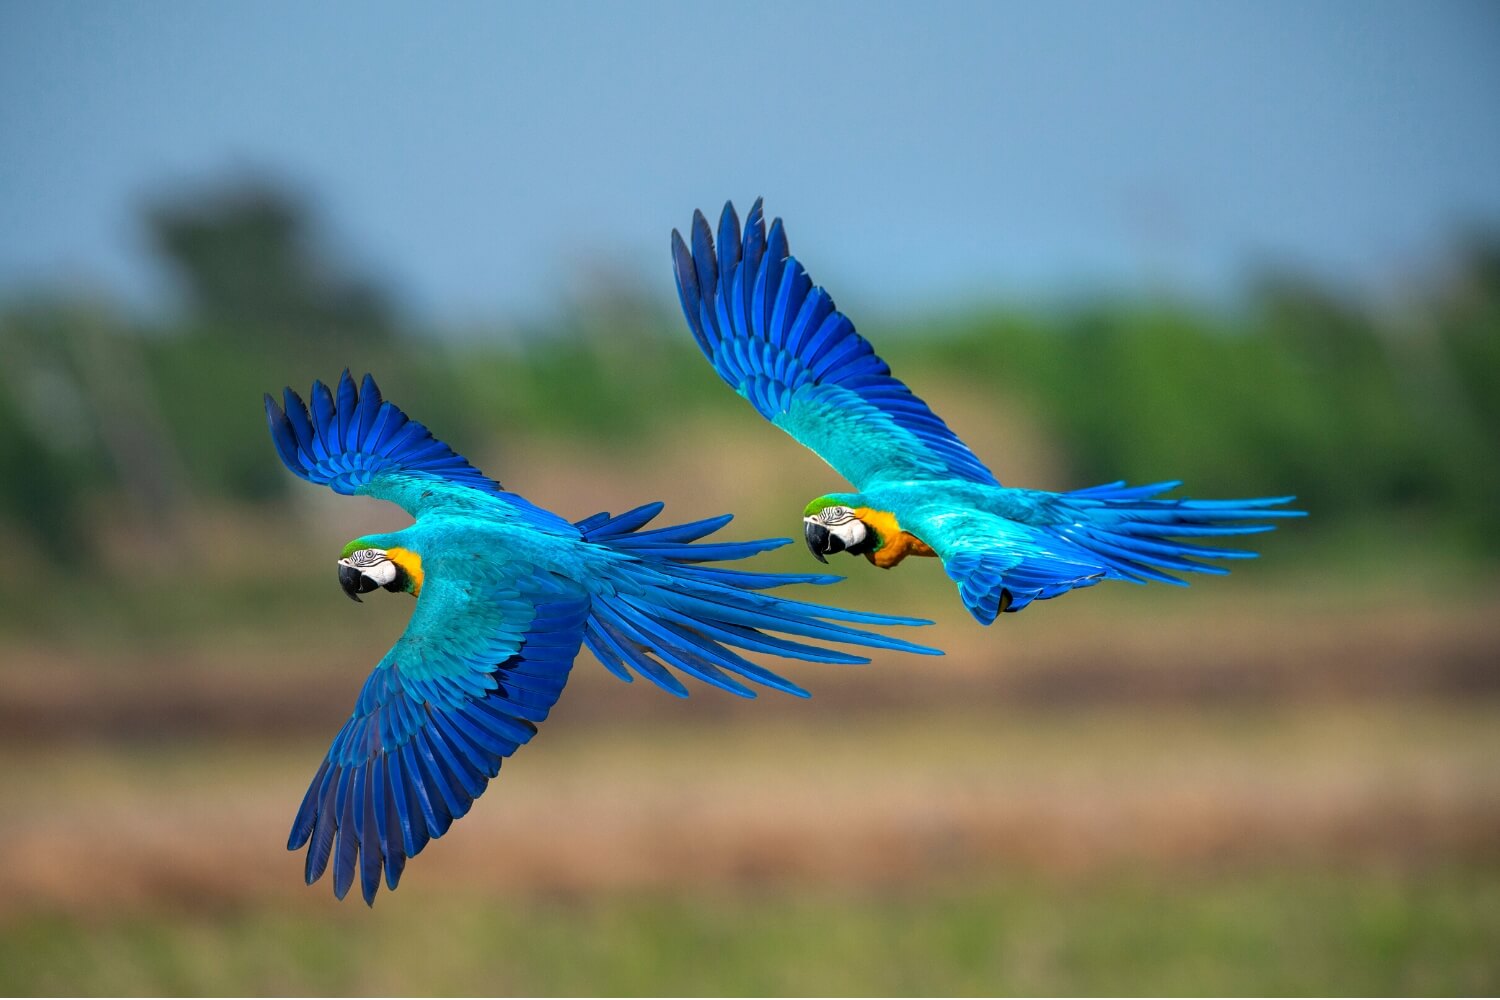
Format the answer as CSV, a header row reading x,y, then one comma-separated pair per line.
x,y
1259,759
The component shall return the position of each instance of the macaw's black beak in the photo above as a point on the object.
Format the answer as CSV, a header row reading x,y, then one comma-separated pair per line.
x,y
355,583
821,540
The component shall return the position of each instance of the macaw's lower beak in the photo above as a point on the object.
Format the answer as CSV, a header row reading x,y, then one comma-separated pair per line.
x,y
355,583
821,540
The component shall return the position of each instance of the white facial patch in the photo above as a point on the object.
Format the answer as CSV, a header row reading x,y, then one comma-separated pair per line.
x,y
373,564
851,532
841,523
382,573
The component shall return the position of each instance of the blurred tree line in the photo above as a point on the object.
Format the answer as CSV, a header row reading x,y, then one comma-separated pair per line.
x,y
1388,415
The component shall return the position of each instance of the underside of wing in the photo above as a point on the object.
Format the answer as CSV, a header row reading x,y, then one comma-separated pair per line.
x,y
994,581
780,343
354,442
1000,565
461,689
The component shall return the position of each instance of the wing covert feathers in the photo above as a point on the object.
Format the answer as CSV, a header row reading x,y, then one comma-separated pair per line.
x,y
779,341
353,441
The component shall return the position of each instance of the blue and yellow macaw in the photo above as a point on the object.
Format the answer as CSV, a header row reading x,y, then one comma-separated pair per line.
x,y
506,594
781,344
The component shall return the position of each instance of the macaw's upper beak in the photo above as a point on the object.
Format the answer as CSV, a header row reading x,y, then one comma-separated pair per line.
x,y
821,540
355,583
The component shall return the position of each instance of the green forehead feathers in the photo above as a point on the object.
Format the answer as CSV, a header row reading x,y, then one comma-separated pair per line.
x,y
353,547
818,505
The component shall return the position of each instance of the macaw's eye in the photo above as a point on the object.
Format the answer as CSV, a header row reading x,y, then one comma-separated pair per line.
x,y
366,558
836,515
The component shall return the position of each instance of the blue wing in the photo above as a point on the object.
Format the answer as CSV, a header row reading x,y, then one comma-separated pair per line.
x,y
781,344
356,443
1002,565
461,689
669,606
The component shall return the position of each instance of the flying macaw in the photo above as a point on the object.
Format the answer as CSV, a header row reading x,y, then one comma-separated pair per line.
x,y
506,594
781,344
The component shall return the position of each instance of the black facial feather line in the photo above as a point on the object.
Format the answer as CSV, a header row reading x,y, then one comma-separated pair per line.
x,y
836,515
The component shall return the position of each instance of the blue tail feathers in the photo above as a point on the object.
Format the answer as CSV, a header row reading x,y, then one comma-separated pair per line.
x,y
1136,536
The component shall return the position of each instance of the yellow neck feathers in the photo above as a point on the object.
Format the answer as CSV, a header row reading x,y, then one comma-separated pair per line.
x,y
896,543
411,565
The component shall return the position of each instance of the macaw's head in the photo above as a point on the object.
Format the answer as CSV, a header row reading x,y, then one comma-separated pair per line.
x,y
830,525
365,567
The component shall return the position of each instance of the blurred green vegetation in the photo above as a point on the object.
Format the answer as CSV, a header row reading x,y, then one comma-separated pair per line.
x,y
1255,933
1387,414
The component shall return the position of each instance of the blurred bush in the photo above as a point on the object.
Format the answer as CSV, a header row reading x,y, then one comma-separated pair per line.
x,y
1363,414
248,256
1388,415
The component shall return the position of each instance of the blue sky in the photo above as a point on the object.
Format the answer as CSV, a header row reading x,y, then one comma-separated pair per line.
x,y
488,158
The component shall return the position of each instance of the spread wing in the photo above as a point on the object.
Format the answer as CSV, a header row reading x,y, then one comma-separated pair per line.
x,y
464,686
781,344
356,443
